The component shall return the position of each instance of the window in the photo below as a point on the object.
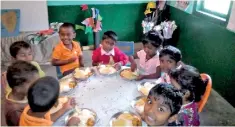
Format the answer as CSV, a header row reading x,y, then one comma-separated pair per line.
x,y
218,9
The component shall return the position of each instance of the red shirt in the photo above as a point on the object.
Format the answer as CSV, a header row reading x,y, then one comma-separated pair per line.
x,y
118,56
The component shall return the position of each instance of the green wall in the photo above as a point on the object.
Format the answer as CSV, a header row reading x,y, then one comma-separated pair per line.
x,y
210,48
124,19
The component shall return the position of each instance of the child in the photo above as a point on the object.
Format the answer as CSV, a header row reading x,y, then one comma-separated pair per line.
x,y
108,53
20,50
20,76
170,58
42,96
149,56
67,54
187,79
162,106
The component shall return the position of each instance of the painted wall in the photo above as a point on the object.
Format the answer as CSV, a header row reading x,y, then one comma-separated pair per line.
x,y
33,14
124,19
210,48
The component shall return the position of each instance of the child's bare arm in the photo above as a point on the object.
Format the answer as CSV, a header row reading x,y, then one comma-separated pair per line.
x,y
151,76
57,62
67,106
81,61
133,63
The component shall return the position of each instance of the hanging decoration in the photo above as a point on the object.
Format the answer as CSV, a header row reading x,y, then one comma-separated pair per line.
x,y
93,21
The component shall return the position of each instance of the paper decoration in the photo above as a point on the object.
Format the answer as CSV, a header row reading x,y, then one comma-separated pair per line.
x,y
93,12
88,22
88,30
147,26
79,27
97,27
10,19
99,17
231,23
84,7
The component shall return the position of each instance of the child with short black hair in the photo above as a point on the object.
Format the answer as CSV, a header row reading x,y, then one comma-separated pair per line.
x,y
188,80
108,53
163,104
149,55
67,54
20,76
42,96
20,50
170,58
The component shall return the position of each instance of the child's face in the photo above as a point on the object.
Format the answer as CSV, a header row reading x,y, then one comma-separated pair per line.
x,y
23,89
150,50
156,113
108,44
166,63
67,35
25,54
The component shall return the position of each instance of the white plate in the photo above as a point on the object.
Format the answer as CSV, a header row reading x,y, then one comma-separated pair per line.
x,y
145,87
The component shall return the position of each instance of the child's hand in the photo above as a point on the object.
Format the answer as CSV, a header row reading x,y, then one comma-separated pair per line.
x,y
133,67
73,121
117,66
140,77
69,104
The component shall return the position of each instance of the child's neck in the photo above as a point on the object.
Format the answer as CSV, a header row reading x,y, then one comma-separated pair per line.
x,y
149,56
16,96
69,46
36,114
186,102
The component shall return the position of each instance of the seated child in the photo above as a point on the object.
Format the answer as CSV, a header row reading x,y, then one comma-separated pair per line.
x,y
188,80
149,56
162,106
170,58
67,54
20,76
108,53
20,50
42,96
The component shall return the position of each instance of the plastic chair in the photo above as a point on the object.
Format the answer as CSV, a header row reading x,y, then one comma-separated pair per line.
x,y
58,72
205,97
126,47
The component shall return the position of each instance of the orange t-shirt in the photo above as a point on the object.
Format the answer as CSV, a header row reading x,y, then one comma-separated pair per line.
x,y
26,120
62,53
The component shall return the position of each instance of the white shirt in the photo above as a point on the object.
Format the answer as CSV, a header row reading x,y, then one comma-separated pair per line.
x,y
107,53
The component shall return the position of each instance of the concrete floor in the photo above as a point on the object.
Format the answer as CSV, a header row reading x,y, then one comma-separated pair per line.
x,y
217,111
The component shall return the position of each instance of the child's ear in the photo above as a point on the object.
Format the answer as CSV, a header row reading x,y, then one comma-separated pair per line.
x,y
173,118
74,35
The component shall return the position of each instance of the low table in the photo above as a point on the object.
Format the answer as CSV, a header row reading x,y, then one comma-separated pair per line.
x,y
106,95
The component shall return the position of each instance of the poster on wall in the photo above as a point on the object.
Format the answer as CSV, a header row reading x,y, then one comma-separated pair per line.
x,y
231,22
184,5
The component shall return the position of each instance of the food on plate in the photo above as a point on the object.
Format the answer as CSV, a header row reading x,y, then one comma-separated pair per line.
x,y
128,74
126,119
86,116
72,84
138,105
67,84
81,74
106,69
59,104
146,87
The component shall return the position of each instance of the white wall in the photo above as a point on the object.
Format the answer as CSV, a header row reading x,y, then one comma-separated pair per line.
x,y
33,14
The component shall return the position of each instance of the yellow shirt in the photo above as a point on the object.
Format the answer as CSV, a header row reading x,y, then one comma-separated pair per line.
x,y
8,88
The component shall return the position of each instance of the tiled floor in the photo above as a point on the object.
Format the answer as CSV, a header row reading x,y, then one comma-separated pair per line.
x,y
216,112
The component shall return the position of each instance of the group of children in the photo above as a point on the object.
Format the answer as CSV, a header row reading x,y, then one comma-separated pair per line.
x,y
29,94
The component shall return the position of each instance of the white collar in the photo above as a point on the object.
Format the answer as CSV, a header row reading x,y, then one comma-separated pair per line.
x,y
107,53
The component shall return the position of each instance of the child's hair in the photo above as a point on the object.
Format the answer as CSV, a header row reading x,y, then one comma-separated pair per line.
x,y
189,79
16,46
154,38
110,34
172,97
67,25
173,52
43,94
19,73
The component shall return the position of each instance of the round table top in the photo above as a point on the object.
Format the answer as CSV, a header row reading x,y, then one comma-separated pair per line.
x,y
106,95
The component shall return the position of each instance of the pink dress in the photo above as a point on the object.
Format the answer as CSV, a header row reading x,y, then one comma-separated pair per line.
x,y
147,67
